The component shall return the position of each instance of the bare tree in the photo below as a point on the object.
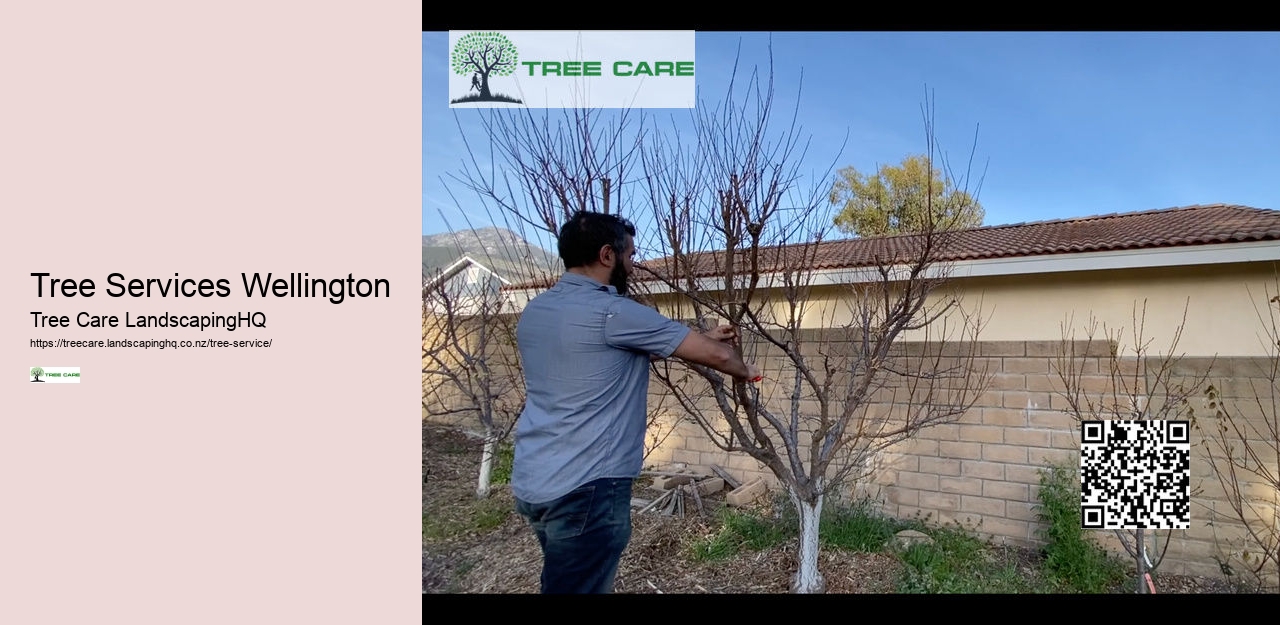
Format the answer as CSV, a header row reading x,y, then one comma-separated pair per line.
x,y
850,370
539,170
1242,440
731,236
470,366
1134,381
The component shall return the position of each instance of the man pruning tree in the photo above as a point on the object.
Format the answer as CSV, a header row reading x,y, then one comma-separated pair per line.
x,y
579,442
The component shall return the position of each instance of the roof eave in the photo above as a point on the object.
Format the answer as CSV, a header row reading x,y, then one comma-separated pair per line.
x,y
1180,256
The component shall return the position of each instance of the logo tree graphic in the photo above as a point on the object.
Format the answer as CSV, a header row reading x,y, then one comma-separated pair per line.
x,y
484,54
37,372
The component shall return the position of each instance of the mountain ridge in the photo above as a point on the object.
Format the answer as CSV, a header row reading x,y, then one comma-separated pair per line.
x,y
501,250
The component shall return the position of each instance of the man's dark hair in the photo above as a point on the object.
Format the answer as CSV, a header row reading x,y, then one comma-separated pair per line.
x,y
586,232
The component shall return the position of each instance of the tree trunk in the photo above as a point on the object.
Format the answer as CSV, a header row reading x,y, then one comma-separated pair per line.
x,y
484,87
486,463
1142,563
808,579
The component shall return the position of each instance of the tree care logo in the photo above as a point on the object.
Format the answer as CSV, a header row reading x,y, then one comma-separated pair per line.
x,y
54,375
571,69
484,55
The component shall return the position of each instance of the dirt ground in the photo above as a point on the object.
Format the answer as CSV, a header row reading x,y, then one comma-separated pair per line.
x,y
470,546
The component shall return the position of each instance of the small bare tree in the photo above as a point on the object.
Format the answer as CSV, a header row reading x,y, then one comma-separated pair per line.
x,y
470,366
471,363
1133,381
729,236
1242,441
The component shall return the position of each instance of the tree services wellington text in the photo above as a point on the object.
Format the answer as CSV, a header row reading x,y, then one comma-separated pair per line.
x,y
337,290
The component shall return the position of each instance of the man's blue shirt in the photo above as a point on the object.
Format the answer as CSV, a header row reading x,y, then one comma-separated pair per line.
x,y
585,353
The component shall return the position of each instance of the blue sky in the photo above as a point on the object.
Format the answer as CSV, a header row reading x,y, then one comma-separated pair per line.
x,y
1067,124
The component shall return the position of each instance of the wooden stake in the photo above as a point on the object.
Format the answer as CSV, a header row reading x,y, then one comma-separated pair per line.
x,y
653,504
724,475
671,503
697,499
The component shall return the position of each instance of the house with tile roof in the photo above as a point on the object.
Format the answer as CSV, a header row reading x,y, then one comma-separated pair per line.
x,y
1201,274
1032,276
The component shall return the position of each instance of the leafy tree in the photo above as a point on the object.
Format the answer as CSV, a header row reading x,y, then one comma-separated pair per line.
x,y
483,54
901,199
37,372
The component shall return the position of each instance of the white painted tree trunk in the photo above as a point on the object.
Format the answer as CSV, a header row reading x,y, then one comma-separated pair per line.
x,y
808,579
486,464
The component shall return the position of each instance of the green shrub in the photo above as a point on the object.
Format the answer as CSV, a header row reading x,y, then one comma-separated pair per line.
x,y
1071,555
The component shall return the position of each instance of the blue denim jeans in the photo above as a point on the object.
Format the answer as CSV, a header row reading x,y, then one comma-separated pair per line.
x,y
582,535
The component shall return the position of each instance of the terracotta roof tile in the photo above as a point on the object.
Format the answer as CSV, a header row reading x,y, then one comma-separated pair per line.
x,y
1170,227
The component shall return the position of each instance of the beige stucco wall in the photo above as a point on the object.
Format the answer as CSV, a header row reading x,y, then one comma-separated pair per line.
x,y
1219,300
1220,310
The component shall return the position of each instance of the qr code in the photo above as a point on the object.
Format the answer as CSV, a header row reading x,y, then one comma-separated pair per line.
x,y
1135,474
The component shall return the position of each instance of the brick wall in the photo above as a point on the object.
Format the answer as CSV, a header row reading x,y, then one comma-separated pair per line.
x,y
982,469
